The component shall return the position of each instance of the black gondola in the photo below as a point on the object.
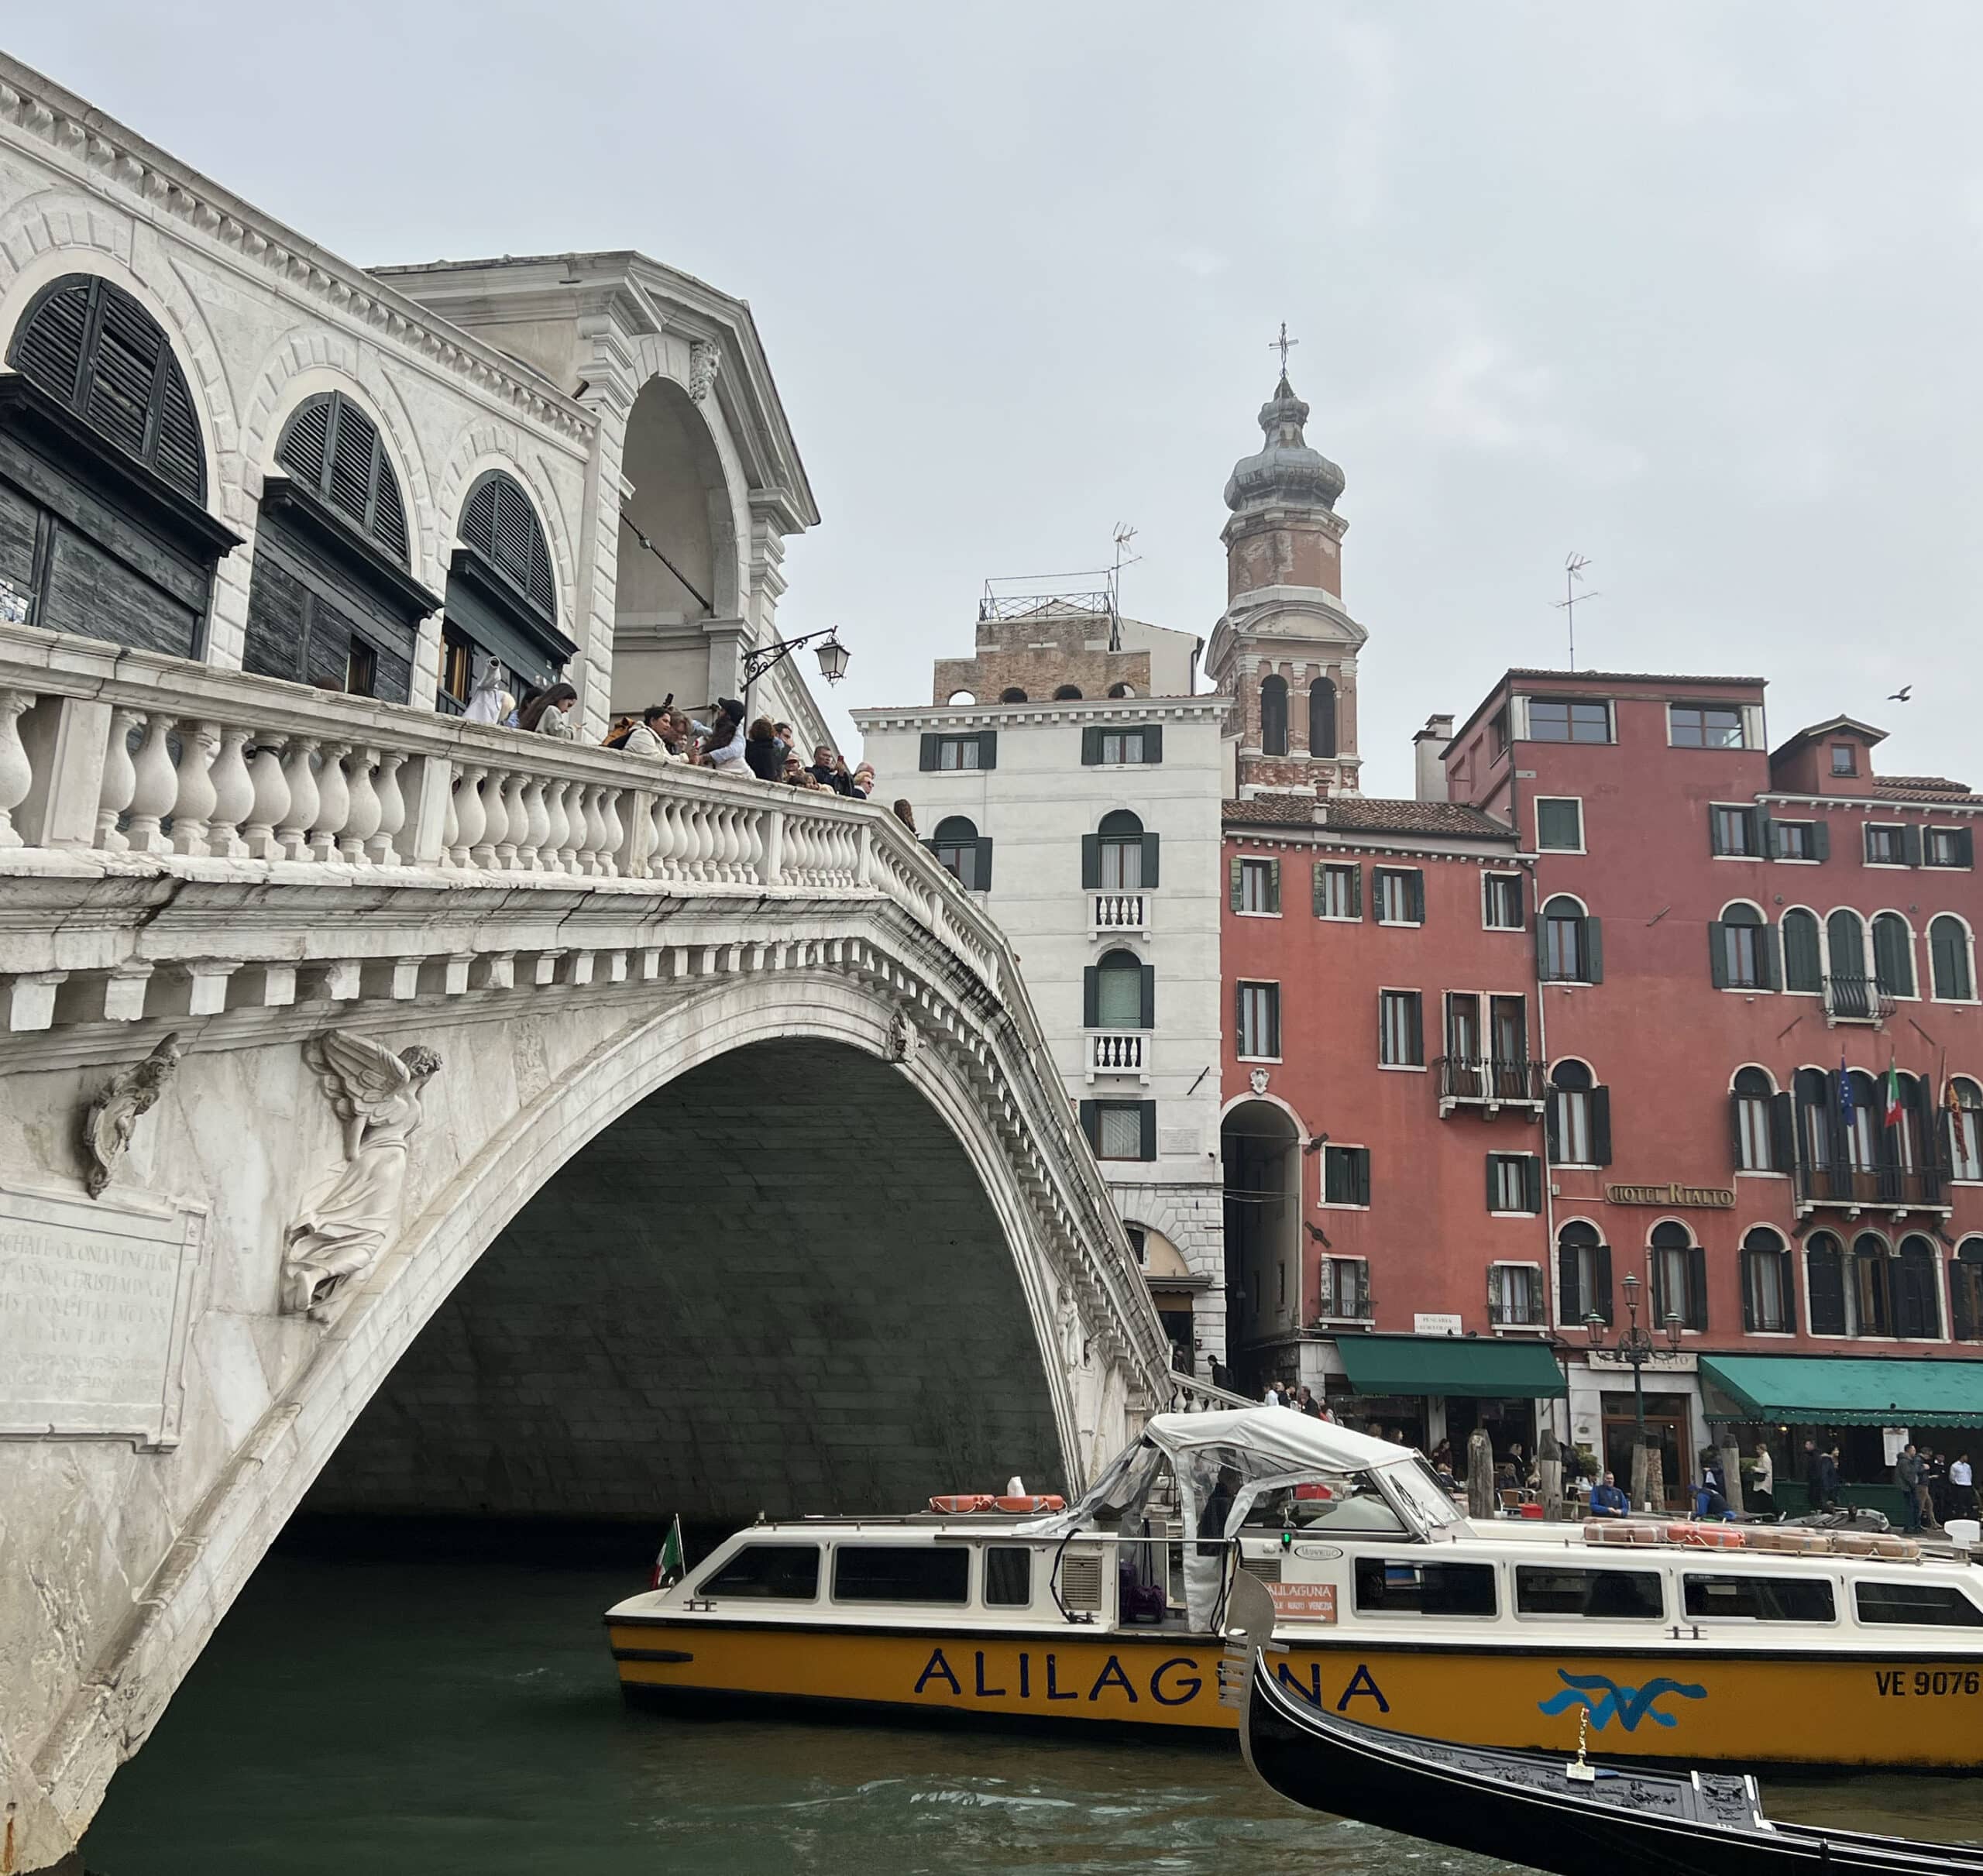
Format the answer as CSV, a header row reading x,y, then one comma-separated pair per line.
x,y
1527,1806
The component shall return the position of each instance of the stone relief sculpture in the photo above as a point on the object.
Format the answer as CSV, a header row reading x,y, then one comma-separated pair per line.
x,y
377,1096
705,361
1074,1331
131,1093
903,1040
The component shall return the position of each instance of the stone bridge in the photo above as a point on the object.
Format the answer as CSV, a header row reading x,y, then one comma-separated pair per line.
x,y
743,1179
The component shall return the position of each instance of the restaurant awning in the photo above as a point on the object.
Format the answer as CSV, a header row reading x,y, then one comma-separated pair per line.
x,y
1846,1391
1451,1365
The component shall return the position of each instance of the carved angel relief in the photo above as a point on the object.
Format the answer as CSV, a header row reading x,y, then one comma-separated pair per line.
x,y
108,1120
903,1039
377,1096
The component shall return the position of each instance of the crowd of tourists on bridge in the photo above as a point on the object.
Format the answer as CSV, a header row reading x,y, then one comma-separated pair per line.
x,y
663,733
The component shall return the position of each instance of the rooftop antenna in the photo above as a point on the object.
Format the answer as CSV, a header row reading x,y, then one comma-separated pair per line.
x,y
1283,344
1573,567
1124,534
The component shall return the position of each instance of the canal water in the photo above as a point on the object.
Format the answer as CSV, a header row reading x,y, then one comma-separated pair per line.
x,y
420,1718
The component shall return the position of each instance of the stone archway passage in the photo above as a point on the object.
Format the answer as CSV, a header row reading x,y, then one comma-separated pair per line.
x,y
774,1284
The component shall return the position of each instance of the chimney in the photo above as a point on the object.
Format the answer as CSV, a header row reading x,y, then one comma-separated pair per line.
x,y
1428,746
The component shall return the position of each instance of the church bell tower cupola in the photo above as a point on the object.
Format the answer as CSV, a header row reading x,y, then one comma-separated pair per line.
x,y
1285,650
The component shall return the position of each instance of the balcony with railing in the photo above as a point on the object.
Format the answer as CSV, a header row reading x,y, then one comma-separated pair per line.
x,y
1489,1084
1118,1052
1117,912
1855,999
1854,1189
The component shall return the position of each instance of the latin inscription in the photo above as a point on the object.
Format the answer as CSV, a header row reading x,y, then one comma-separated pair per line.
x,y
94,1306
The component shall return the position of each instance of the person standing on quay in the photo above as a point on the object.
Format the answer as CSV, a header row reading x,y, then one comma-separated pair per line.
x,y
1962,1487
1762,1482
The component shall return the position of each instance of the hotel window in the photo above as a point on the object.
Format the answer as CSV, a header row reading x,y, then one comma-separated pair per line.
x,y
1514,1295
1119,992
1949,960
1948,847
1844,759
1893,955
1733,832
1559,824
1824,1279
1758,1121
1259,1022
1889,846
1401,1029
1917,1284
1679,1276
1569,943
1578,1117
1742,951
1766,1295
1107,747
945,753
1694,726
1501,902
1966,1291
1119,857
1803,960
1515,1182
964,853
1399,894
1869,1286
1555,720
1345,1175
1342,1289
1120,1129
1583,1274
1256,886
1965,1129
1339,891
1798,840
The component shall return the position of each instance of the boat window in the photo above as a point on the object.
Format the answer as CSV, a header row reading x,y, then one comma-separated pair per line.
x,y
1008,1576
1931,1605
1761,1599
1419,1486
789,1572
901,1573
1389,1586
1631,1596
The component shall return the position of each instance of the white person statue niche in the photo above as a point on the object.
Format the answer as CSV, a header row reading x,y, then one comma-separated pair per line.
x,y
376,1094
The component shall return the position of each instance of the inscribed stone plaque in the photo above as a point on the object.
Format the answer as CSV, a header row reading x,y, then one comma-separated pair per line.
x,y
95,1301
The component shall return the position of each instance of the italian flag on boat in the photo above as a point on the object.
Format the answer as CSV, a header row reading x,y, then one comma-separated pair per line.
x,y
668,1566
1891,1117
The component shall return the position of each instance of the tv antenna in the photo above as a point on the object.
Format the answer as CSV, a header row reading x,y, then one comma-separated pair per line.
x,y
1573,566
1124,535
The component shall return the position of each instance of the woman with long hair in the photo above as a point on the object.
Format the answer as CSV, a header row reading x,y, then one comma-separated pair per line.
x,y
549,714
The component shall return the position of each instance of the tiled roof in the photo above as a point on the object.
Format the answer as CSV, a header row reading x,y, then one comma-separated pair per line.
x,y
1922,788
1361,814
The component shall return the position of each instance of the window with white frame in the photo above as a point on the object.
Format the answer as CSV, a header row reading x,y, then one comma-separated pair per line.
x,y
1947,846
1734,832
1844,758
1949,965
1259,1022
1559,823
1515,1182
1755,1140
1966,1129
1342,1292
1794,840
1400,1028
1704,726
1579,1117
1514,1295
1400,893
1885,846
1768,1305
1576,719
1339,892
1345,1175
1501,902
1260,887
1679,1269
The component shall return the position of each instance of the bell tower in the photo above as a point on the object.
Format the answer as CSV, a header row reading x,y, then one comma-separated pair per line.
x,y
1285,650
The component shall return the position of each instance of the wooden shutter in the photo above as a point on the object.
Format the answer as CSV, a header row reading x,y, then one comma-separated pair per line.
x,y
1091,1124
1146,1142
1768,843
49,349
1600,1125
1415,1008
1148,997
1092,997
1594,951
1318,888
1962,1314
1783,1133
1820,840
1735,1131
1090,746
1965,846
1355,883
988,749
1714,830
1234,886
1824,1273
1150,859
1696,1287
1552,1126
1570,1306
1273,885
1494,1182
1542,947
930,757
1745,1259
1154,742
1091,863
1359,1161
983,883
1602,1302
1717,955
1769,957
1910,844
1532,1183
1414,896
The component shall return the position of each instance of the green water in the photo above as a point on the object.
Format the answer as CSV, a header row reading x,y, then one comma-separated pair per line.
x,y
432,1717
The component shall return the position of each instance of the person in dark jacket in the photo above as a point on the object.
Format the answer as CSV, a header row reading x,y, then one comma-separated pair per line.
x,y
760,751
829,769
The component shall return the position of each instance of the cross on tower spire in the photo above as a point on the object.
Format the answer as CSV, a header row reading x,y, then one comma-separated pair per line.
x,y
1283,344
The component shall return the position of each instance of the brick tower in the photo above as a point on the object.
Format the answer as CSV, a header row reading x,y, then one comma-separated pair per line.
x,y
1285,650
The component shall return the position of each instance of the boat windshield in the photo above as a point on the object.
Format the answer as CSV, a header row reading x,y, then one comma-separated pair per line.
x,y
1425,1498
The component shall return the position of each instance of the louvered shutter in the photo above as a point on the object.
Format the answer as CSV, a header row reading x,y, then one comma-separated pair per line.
x,y
1594,951
1091,1123
1414,896
1600,1125
988,749
1820,840
1603,1304
1360,1160
1532,1183
1494,1182
1150,859
984,881
49,351
1319,888
1153,743
180,458
1091,854
499,522
1090,997
1696,1287
1910,845
1552,1126
305,441
1147,1140
1965,846
1273,885
1746,1265
1735,1131
1770,844
930,755
1717,954
1769,957
1090,746
1714,845
1962,1310
1825,1281
1355,884
1783,1133
353,450
1363,1290
1234,886
1415,1010
1149,998
118,398
1542,948
1569,1305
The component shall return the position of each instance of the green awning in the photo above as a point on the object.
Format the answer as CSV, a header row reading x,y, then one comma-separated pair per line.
x,y
1847,1390
1478,1369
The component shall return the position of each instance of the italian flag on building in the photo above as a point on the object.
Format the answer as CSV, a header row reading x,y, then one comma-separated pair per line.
x,y
1891,1117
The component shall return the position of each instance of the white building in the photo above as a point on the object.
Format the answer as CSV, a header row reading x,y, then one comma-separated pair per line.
x,y
1076,786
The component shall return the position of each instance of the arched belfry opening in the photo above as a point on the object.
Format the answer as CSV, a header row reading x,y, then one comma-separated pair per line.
x,y
776,1283
1261,1148
677,554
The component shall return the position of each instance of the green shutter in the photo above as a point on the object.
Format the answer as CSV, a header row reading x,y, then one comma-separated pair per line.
x,y
1569,1305
1696,1287
1273,885
1090,997
1594,951
1148,996
1493,1195
1717,955
1417,1009
1150,859
1532,1183
1602,1302
1542,947
1770,846
1769,957
1154,742
1234,885
1090,746
1552,1126
1600,1125
1356,891
988,749
1317,881
930,740
1965,847
1415,895
1820,840
1910,845
1091,863
983,883
1091,1124
1148,1141
1714,830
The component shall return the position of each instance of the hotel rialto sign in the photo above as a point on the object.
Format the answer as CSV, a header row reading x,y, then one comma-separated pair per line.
x,y
1717,1197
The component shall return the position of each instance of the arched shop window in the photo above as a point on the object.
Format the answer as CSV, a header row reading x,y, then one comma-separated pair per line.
x,y
103,529
332,601
502,592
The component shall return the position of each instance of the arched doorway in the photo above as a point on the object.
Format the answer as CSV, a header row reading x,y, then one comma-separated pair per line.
x,y
1260,1145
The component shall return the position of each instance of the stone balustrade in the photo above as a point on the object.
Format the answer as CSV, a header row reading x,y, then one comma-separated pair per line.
x,y
114,761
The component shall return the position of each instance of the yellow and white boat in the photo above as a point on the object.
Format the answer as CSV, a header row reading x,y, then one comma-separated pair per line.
x,y
1755,1645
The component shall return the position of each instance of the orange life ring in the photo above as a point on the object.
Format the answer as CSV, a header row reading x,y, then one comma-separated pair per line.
x,y
1043,1502
962,1502
1707,1537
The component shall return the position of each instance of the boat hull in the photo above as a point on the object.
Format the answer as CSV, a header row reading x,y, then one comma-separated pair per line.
x,y
1898,1711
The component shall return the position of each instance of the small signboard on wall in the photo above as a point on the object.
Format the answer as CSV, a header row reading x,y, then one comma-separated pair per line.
x,y
1893,1442
1435,1325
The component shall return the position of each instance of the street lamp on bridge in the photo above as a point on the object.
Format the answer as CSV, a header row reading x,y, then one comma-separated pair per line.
x,y
1635,1349
832,656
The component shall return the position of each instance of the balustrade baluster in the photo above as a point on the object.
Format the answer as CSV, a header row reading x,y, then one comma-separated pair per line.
x,y
333,802
726,845
392,809
156,788
495,816
557,826
361,820
233,796
670,840
595,839
271,804
299,771
705,843
471,819
612,832
120,779
536,827
516,819
568,855
193,800
450,821
16,771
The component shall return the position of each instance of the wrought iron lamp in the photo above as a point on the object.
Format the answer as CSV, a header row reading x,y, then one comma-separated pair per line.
x,y
832,656
1636,1347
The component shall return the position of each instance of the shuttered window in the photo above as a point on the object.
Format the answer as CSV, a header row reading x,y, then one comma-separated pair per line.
x,y
334,450
1345,1175
100,354
1948,953
500,524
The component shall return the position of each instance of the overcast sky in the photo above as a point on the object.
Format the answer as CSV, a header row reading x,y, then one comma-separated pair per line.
x,y
1692,290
